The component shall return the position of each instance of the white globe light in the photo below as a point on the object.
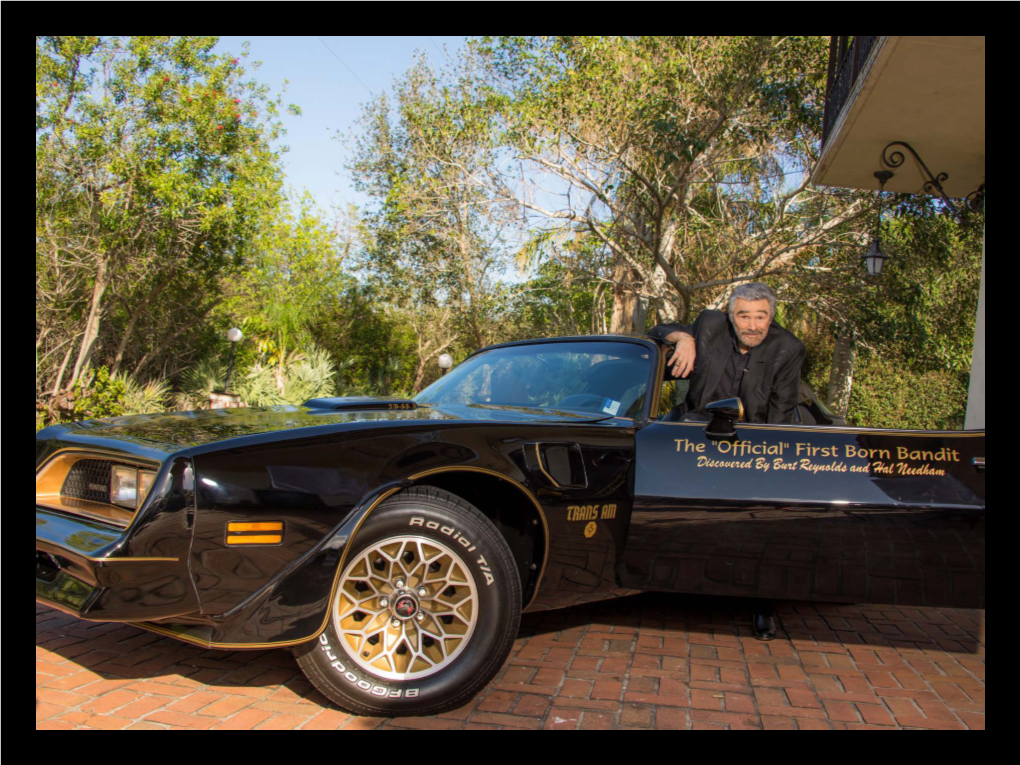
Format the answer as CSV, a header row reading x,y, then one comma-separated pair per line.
x,y
445,361
234,335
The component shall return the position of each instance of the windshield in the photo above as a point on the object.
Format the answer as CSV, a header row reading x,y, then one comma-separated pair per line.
x,y
591,377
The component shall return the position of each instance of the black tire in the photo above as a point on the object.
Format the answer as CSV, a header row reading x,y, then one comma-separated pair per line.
x,y
434,516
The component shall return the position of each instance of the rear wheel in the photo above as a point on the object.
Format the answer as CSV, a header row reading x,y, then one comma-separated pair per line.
x,y
424,613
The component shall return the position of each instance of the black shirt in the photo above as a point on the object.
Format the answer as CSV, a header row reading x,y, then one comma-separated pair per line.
x,y
770,389
733,372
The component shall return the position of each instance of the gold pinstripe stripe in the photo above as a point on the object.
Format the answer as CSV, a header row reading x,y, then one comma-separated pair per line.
x,y
527,493
849,430
538,456
280,643
99,560
471,469
653,410
343,559
100,452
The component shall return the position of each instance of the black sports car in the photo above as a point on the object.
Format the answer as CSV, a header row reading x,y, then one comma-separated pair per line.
x,y
394,543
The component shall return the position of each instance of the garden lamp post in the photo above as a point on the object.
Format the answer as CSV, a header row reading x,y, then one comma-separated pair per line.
x,y
445,362
874,257
234,336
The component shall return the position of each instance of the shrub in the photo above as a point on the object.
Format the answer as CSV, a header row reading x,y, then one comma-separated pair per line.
x,y
888,394
258,387
96,394
144,399
198,381
306,375
311,377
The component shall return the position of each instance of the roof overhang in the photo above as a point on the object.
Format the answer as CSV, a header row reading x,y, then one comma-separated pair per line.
x,y
926,91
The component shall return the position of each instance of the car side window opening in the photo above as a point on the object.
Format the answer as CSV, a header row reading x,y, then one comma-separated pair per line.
x,y
673,394
810,411
590,377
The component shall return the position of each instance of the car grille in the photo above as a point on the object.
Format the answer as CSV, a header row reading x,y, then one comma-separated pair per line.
x,y
88,479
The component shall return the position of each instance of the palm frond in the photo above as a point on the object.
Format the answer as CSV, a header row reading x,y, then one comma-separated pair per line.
x,y
198,381
144,398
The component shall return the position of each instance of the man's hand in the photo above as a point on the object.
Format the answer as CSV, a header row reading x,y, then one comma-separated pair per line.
x,y
682,360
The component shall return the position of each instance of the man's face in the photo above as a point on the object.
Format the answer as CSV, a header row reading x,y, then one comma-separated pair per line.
x,y
751,320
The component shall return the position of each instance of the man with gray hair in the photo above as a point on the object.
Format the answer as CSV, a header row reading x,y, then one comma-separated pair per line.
x,y
739,353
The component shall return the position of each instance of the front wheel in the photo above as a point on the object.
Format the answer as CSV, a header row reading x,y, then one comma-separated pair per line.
x,y
425,611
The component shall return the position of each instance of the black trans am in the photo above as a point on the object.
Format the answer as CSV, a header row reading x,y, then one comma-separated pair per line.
x,y
394,544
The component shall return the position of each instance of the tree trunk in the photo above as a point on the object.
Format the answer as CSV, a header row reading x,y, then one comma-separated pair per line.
x,y
130,328
419,375
841,376
464,250
665,308
629,308
63,366
92,324
151,353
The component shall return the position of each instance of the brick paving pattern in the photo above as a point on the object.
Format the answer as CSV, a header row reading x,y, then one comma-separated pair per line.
x,y
650,661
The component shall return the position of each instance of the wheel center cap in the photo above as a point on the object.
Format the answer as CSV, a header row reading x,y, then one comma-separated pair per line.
x,y
405,606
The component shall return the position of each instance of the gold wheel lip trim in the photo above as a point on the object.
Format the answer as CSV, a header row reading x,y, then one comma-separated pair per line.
x,y
280,643
527,493
343,559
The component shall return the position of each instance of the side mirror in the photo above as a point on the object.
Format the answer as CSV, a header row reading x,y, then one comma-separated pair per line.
x,y
724,414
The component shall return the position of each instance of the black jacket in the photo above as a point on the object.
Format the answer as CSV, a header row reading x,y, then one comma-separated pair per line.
x,y
771,386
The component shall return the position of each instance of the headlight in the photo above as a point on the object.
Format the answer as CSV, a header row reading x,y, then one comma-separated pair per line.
x,y
145,480
129,486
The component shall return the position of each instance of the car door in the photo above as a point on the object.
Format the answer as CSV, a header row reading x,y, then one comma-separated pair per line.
x,y
809,512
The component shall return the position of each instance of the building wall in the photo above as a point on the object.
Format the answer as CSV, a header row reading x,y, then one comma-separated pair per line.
x,y
976,394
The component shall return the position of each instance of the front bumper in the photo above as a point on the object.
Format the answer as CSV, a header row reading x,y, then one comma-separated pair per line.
x,y
67,569
81,570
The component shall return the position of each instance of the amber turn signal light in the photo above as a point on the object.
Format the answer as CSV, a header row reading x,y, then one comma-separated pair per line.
x,y
254,532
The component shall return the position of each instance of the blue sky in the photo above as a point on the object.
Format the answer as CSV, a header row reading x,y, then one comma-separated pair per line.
x,y
330,78
330,96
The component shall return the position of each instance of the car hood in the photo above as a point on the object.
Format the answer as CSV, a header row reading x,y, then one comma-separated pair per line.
x,y
190,429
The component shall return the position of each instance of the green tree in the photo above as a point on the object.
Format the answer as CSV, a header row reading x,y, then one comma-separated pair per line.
x,y
296,270
686,158
97,394
917,317
154,168
434,237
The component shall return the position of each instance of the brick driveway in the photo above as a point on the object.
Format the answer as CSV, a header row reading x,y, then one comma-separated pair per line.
x,y
650,661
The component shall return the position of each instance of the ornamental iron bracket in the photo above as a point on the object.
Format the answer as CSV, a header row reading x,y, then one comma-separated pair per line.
x,y
975,200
